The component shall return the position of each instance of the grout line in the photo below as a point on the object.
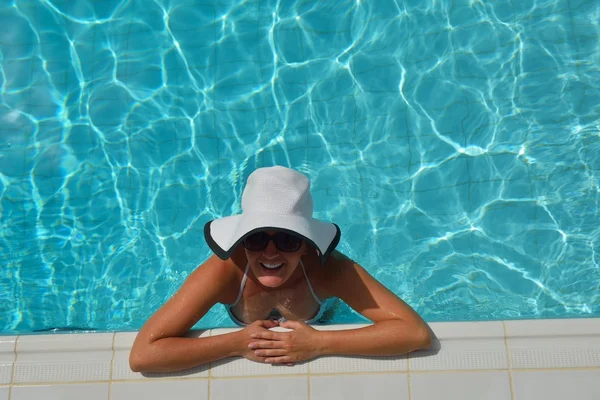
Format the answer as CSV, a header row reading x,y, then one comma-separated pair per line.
x,y
61,383
300,375
145,380
227,378
409,376
358,373
112,367
455,371
508,360
12,375
557,369
446,371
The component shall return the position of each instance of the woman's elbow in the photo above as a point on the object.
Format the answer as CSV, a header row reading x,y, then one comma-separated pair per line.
x,y
419,336
142,359
424,338
137,363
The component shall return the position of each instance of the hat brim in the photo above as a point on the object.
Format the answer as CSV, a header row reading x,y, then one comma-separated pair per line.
x,y
223,235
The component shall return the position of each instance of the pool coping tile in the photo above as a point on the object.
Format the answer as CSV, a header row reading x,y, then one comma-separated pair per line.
x,y
63,358
7,358
463,346
558,343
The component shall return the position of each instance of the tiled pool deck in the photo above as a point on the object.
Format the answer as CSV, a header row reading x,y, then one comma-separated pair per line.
x,y
512,360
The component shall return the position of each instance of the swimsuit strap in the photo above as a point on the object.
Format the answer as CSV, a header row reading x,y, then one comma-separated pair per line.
x,y
242,285
309,285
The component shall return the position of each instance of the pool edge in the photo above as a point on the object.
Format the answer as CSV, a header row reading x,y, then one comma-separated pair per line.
x,y
494,347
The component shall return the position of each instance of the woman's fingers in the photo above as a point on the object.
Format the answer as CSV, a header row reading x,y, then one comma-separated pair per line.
x,y
265,344
292,324
270,352
279,360
267,335
267,323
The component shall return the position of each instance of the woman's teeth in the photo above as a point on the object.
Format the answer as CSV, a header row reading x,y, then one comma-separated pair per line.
x,y
271,266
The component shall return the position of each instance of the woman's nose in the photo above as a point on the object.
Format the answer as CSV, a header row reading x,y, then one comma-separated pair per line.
x,y
271,249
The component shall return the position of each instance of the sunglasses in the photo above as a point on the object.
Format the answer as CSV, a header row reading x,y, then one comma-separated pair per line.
x,y
283,241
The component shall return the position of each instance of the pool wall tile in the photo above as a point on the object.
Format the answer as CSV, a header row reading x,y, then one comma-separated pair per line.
x,y
350,364
557,385
4,391
87,391
359,387
192,389
282,387
556,343
63,358
121,371
476,385
463,346
7,358
239,366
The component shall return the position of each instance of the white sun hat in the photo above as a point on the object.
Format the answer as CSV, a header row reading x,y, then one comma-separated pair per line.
x,y
275,198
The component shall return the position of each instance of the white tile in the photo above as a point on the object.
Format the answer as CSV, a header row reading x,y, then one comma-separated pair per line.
x,y
570,343
121,370
90,391
342,364
349,364
239,366
63,358
553,327
4,392
288,388
5,373
359,387
463,346
557,385
176,389
7,358
488,385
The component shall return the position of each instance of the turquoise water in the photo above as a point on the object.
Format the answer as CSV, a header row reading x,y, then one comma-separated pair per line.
x,y
456,144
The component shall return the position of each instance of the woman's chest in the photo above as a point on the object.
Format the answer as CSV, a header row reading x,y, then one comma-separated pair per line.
x,y
293,304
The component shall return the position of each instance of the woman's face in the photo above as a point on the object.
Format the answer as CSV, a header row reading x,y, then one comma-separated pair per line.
x,y
271,266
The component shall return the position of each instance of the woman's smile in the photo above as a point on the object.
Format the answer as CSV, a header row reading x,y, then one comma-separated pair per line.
x,y
271,265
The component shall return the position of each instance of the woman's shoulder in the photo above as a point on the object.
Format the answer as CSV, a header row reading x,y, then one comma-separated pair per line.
x,y
337,261
324,276
226,274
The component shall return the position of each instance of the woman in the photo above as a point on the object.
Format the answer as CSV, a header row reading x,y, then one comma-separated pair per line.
x,y
274,265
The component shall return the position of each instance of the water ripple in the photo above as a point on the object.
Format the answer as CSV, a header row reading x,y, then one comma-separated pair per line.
x,y
456,143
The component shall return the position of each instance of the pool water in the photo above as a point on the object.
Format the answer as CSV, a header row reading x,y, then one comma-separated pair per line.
x,y
456,144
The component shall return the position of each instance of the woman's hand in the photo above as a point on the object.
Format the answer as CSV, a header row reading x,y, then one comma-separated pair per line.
x,y
286,347
247,335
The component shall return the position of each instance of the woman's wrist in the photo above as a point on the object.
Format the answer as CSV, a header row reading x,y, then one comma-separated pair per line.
x,y
322,343
234,342
240,343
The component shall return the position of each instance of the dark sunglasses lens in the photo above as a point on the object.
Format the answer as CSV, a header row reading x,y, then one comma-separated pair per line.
x,y
286,242
257,241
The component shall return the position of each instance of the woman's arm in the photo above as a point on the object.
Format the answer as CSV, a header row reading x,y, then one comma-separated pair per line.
x,y
397,328
160,345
